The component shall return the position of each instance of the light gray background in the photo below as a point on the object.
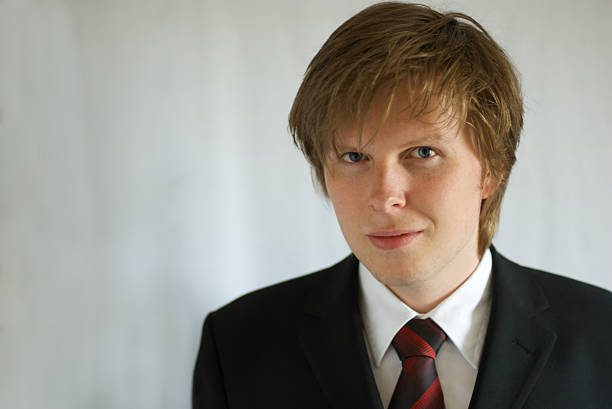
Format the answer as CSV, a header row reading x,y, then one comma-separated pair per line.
x,y
147,176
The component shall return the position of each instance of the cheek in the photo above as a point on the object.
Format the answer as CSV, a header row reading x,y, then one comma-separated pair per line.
x,y
453,194
343,194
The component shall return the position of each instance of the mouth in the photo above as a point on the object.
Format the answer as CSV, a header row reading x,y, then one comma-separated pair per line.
x,y
393,239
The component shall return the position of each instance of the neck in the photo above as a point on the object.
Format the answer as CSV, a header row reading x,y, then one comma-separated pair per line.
x,y
423,296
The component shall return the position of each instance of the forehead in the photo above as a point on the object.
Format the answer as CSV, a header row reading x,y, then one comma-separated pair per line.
x,y
400,118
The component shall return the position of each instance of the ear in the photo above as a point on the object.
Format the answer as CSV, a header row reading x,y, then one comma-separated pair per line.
x,y
489,185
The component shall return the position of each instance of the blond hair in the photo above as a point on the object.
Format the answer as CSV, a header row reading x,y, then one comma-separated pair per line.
x,y
429,54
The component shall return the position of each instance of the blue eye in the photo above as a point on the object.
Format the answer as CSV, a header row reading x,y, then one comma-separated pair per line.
x,y
352,157
424,152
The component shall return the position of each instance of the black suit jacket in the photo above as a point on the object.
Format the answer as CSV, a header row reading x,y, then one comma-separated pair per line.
x,y
299,344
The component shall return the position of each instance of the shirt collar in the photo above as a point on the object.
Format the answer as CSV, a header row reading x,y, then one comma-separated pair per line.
x,y
384,313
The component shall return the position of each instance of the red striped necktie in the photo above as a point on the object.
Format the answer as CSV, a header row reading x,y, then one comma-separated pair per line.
x,y
418,386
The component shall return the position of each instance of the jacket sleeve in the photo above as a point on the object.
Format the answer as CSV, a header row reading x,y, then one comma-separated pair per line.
x,y
208,388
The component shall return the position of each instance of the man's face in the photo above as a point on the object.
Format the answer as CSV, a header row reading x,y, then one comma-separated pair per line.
x,y
408,203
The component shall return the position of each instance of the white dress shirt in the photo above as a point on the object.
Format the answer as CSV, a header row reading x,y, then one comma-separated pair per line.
x,y
464,316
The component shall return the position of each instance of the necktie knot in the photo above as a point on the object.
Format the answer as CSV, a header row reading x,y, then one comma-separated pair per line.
x,y
419,337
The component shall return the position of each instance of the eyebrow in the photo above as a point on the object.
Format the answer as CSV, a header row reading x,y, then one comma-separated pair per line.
x,y
425,140
432,136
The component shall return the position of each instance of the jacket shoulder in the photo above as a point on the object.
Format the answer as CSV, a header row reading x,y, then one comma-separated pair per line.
x,y
574,294
565,294
281,299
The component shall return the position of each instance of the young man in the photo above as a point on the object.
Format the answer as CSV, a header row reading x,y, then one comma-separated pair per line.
x,y
410,119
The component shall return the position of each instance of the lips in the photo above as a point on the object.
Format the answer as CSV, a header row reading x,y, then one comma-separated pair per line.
x,y
392,239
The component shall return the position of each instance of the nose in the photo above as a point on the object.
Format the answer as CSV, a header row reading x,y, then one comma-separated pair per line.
x,y
388,187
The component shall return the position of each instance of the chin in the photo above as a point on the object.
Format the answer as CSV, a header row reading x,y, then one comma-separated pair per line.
x,y
397,269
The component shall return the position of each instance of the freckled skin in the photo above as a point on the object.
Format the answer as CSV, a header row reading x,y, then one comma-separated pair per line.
x,y
397,185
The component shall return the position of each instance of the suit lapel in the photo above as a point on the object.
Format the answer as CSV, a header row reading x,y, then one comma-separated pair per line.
x,y
517,346
332,339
